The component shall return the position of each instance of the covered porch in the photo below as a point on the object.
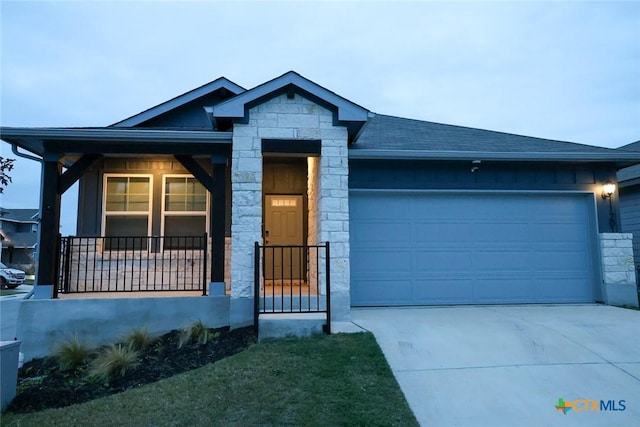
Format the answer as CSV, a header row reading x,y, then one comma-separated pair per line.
x,y
126,261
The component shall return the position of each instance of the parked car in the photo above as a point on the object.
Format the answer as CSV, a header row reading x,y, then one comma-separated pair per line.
x,y
10,277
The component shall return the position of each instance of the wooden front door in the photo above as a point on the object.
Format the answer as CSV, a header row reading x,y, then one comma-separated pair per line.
x,y
283,227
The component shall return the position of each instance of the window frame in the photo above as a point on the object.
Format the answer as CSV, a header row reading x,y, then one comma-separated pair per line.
x,y
164,212
105,213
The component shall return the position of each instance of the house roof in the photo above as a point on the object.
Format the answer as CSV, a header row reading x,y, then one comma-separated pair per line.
x,y
371,136
19,240
220,84
109,139
634,146
20,215
345,112
388,137
630,175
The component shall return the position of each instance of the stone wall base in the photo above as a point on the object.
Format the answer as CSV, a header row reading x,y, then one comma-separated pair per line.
x,y
618,269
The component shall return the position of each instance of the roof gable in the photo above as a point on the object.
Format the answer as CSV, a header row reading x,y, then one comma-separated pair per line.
x,y
219,85
237,107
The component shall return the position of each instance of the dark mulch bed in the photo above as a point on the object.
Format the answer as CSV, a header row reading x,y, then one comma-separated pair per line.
x,y
42,384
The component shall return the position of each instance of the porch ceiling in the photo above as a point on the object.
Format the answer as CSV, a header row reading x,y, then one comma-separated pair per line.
x,y
116,141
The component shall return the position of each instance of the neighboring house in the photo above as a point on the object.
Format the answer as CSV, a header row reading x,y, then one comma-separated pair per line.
x,y
417,213
629,182
18,232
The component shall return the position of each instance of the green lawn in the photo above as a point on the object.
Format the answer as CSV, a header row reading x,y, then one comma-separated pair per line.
x,y
341,379
5,292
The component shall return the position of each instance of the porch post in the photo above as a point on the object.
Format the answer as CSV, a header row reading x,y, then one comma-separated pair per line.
x,y
49,226
217,225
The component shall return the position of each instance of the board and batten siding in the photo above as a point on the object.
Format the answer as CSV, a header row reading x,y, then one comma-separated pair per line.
x,y
630,216
503,176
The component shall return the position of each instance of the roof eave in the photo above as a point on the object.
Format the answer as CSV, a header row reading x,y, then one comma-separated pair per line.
x,y
106,134
618,157
32,139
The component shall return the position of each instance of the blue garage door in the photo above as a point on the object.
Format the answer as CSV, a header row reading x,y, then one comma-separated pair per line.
x,y
413,248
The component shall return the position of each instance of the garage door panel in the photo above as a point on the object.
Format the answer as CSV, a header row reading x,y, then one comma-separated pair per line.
x,y
565,290
445,248
376,291
496,261
394,207
375,231
498,231
557,260
496,290
443,232
435,260
375,260
557,232
442,290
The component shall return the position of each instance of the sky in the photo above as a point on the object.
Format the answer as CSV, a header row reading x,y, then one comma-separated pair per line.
x,y
568,70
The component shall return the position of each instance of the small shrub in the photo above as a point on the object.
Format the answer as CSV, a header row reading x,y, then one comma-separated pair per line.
x,y
72,353
139,339
197,332
114,362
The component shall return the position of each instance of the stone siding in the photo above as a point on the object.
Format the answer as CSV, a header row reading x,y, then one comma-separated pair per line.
x,y
284,118
618,269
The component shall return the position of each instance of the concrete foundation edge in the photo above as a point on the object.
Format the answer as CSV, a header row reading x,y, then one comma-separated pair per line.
x,y
9,353
43,324
622,294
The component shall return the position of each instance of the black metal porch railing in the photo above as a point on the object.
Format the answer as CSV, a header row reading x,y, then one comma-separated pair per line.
x,y
292,279
132,264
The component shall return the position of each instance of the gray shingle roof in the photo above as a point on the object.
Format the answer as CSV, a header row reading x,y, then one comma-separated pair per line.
x,y
20,215
19,240
634,146
395,133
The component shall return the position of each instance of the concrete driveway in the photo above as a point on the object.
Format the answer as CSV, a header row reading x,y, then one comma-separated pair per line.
x,y
509,365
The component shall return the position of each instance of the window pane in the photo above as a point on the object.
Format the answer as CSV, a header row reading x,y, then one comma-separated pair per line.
x,y
132,226
197,203
116,203
184,194
139,185
127,194
177,227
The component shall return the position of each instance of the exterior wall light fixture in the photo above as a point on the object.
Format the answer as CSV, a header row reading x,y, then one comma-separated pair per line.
x,y
607,191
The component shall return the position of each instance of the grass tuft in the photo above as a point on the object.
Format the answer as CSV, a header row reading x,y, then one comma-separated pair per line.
x,y
197,332
114,362
72,353
139,339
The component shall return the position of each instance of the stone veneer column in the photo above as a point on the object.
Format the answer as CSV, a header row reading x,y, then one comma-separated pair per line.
x,y
618,269
284,118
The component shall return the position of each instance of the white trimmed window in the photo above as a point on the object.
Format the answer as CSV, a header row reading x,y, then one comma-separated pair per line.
x,y
184,211
127,209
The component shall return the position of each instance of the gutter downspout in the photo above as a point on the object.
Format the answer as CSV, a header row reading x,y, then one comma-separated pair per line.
x,y
14,150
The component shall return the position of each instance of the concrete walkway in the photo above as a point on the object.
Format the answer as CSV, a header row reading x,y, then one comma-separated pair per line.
x,y
509,365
